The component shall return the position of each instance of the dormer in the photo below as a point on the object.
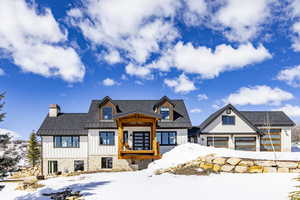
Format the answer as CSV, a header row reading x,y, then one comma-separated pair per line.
x,y
107,108
165,107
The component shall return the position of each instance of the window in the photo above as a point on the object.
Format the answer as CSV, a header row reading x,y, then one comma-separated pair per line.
x,y
107,138
165,113
78,165
66,141
125,139
245,143
268,141
228,120
52,166
106,163
166,137
107,113
218,142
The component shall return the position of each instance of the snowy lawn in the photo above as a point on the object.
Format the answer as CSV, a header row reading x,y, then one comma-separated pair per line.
x,y
140,185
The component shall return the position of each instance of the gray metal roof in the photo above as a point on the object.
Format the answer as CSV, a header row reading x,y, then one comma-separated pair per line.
x,y
64,124
78,123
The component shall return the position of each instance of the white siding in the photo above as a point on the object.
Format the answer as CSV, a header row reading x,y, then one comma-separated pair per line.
x,y
94,143
50,152
217,127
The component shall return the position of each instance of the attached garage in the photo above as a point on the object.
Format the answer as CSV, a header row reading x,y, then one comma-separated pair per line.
x,y
270,139
245,143
218,142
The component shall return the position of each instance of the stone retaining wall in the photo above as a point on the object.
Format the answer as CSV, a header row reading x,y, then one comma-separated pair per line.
x,y
237,165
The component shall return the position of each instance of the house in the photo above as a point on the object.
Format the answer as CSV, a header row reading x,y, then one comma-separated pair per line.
x,y
245,130
113,134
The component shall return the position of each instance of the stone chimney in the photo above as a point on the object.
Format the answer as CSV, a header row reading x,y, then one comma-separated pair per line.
x,y
54,110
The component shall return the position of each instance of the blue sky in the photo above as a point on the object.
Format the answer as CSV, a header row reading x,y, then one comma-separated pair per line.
x,y
209,54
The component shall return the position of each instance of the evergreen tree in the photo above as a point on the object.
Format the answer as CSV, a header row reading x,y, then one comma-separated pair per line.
x,y
1,106
33,154
8,157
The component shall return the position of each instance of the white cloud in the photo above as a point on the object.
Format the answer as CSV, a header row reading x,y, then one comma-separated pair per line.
x,y
216,106
294,13
290,110
139,71
109,82
137,29
210,63
124,77
2,72
202,97
291,76
195,110
258,95
182,84
113,57
32,40
138,82
242,20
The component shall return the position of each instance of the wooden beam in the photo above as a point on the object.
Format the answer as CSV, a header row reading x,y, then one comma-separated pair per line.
x,y
120,138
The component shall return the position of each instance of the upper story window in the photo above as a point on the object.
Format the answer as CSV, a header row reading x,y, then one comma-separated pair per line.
x,y
66,141
166,137
107,138
228,120
107,113
165,113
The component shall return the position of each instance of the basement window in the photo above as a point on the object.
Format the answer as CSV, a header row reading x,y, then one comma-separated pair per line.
x,y
106,163
78,165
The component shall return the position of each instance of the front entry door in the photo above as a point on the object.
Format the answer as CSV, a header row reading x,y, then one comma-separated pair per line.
x,y
141,140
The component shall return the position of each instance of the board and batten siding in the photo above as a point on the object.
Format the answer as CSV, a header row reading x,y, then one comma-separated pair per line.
x,y
217,127
182,138
49,151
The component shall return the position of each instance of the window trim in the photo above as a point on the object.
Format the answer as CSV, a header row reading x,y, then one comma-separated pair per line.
x,y
110,132
168,132
72,136
102,109
234,122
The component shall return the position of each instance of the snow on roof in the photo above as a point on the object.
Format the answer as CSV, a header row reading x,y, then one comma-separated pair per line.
x,y
190,151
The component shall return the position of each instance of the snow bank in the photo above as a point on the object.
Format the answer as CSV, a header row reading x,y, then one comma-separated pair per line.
x,y
190,151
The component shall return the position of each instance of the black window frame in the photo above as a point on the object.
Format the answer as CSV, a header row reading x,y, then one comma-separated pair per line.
x,y
161,112
107,133
108,162
224,122
76,161
60,141
107,107
159,136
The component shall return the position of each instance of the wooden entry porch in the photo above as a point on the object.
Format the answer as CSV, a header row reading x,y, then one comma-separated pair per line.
x,y
144,144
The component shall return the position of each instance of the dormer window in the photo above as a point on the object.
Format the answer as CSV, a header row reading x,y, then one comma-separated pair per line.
x,y
165,113
228,120
107,113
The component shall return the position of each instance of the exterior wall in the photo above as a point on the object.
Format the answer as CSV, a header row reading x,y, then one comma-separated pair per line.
x,y
231,140
64,165
182,138
239,127
94,148
286,137
49,151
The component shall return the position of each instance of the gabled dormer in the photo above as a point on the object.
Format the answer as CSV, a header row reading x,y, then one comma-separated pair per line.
x,y
107,108
165,107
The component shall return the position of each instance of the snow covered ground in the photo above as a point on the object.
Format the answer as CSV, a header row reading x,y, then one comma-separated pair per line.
x,y
189,151
139,185
147,186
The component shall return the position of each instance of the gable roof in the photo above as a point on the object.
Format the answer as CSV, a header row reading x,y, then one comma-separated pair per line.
x,y
213,116
120,115
253,118
273,118
181,117
78,123
164,98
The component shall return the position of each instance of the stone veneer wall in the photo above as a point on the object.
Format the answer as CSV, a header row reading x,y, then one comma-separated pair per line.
x,y
238,165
